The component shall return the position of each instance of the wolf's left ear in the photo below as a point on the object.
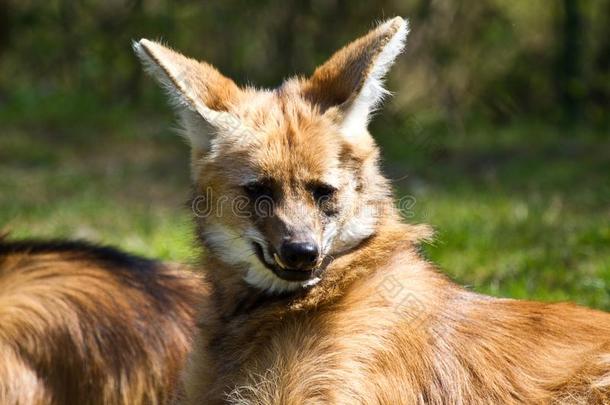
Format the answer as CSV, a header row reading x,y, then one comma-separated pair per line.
x,y
202,94
350,84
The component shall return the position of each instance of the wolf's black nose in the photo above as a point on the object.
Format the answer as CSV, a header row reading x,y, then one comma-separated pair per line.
x,y
299,255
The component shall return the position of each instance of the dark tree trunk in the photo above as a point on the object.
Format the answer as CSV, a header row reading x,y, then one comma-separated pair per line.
x,y
569,62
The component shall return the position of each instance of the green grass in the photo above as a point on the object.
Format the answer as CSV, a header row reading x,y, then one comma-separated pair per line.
x,y
521,211
118,187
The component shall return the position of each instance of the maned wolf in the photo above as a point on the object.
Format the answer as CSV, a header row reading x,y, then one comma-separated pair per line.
x,y
83,324
319,293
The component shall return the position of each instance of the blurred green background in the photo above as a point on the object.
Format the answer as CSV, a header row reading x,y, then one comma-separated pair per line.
x,y
499,127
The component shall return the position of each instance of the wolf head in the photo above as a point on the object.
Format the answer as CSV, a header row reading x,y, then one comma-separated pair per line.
x,y
284,179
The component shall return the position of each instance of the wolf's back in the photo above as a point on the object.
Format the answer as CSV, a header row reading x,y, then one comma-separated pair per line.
x,y
82,324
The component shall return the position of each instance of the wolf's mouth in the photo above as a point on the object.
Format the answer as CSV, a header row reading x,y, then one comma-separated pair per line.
x,y
280,269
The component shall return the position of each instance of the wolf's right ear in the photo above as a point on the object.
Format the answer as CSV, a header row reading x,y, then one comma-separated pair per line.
x,y
349,86
202,95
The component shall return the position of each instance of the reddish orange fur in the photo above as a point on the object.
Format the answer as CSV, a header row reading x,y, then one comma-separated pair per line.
x,y
345,342
87,325
382,325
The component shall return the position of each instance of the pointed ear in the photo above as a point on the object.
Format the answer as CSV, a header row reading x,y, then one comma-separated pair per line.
x,y
201,94
350,84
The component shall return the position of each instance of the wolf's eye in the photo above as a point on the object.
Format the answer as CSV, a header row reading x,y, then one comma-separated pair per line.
x,y
257,190
323,192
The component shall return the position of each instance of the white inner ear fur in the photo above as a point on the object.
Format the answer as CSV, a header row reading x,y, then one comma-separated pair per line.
x,y
197,120
373,92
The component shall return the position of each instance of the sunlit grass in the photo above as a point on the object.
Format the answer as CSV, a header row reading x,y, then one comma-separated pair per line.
x,y
523,212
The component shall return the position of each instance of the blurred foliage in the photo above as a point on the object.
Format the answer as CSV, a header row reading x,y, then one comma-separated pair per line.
x,y
498,129
493,60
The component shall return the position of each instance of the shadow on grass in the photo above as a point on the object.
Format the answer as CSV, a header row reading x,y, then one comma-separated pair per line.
x,y
521,211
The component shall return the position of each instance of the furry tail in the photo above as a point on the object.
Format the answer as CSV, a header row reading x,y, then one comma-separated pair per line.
x,y
88,324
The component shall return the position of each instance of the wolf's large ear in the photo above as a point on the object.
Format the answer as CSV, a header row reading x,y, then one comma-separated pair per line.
x,y
350,84
202,95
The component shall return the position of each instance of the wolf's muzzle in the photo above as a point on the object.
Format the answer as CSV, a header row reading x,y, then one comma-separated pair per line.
x,y
283,270
299,255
